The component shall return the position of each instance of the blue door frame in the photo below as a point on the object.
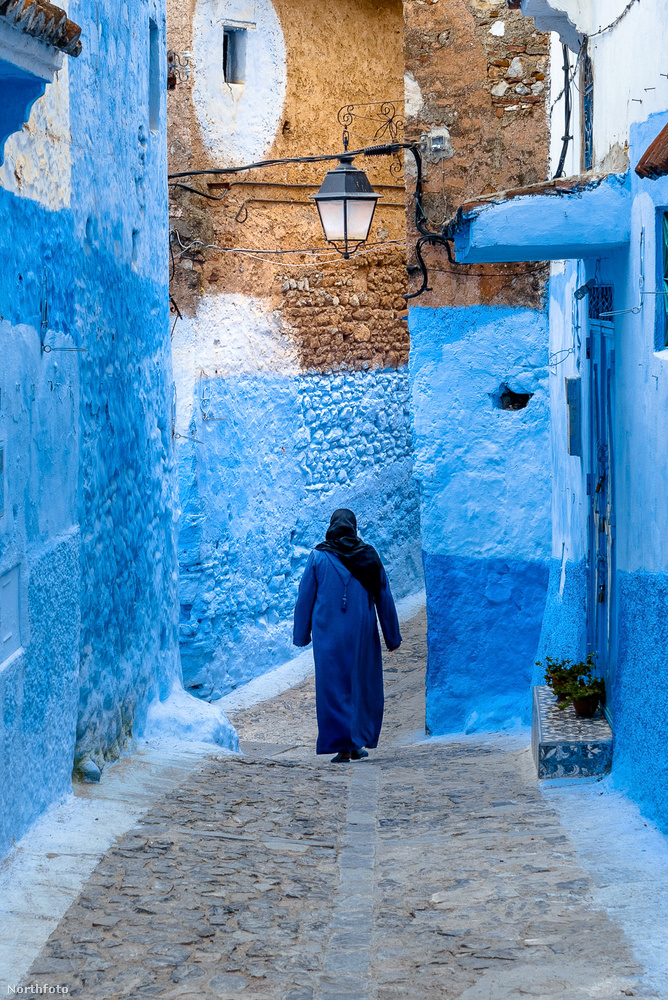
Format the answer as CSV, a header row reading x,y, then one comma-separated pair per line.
x,y
601,615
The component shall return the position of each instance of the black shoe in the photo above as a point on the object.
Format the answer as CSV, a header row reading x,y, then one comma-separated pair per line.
x,y
340,759
359,754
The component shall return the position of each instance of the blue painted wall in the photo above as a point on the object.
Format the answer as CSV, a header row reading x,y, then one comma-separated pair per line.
x,y
640,693
258,485
640,703
89,475
484,480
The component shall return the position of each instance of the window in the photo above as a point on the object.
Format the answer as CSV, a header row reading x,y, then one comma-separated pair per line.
x,y
662,300
234,55
153,76
574,404
587,90
601,303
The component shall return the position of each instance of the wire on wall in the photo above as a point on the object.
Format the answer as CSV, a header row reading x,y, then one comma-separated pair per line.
x,y
325,255
567,136
613,24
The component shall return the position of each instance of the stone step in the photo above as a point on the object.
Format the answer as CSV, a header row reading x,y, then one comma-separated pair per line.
x,y
565,746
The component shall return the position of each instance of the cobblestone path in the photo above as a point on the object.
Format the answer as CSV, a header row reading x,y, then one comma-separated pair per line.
x,y
430,870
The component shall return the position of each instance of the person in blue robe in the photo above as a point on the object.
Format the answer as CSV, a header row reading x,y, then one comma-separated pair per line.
x,y
343,587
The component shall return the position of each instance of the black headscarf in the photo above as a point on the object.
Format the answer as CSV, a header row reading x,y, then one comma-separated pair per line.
x,y
360,559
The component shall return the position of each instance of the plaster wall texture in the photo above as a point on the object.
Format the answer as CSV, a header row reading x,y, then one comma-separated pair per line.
x,y
485,508
238,121
324,55
628,86
37,160
477,76
272,452
292,392
641,694
89,478
39,549
590,220
564,628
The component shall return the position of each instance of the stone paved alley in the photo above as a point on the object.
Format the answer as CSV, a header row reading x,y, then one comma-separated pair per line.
x,y
432,870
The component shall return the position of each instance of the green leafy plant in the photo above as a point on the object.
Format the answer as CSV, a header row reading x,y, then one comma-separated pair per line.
x,y
559,674
586,687
573,681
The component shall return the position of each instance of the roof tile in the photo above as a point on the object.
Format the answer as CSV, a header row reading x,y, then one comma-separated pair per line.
x,y
654,161
45,21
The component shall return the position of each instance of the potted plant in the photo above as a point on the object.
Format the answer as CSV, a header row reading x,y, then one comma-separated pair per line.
x,y
586,690
558,676
576,684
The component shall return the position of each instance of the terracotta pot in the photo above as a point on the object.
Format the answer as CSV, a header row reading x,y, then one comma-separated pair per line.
x,y
585,708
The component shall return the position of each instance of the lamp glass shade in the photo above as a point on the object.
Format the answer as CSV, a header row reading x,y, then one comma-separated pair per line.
x,y
346,203
332,219
360,213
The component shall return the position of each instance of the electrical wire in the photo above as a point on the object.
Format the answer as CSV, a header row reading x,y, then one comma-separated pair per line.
x,y
613,24
328,256
566,137
427,236
571,79
326,250
488,274
320,158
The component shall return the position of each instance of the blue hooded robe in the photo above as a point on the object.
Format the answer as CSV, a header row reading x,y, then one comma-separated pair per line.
x,y
336,610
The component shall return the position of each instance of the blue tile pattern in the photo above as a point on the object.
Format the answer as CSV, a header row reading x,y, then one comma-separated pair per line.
x,y
565,746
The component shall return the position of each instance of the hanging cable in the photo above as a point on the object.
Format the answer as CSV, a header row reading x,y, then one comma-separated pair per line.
x,y
567,136
613,24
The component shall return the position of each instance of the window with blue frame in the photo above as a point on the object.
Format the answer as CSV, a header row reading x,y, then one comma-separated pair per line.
x,y
587,91
662,300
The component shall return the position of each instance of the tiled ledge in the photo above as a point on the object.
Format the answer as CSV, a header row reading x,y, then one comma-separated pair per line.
x,y
565,746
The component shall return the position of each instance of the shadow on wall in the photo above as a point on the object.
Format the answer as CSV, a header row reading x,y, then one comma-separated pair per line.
x,y
482,647
640,704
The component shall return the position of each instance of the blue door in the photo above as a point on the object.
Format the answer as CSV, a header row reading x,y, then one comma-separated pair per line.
x,y
601,485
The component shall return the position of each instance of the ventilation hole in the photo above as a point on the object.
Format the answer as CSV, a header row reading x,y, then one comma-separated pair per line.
x,y
505,399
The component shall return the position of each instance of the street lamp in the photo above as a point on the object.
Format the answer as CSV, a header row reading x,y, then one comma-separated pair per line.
x,y
346,203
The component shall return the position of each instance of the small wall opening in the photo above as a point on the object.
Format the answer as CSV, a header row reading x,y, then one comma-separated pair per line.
x,y
234,55
506,399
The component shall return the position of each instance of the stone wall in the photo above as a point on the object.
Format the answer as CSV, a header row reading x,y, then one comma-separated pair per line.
x,y
459,57
87,511
290,368
476,80
351,317
257,498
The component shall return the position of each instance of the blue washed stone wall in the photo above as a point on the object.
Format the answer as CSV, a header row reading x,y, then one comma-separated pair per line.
x,y
484,622
484,478
277,454
640,703
89,476
639,393
564,627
